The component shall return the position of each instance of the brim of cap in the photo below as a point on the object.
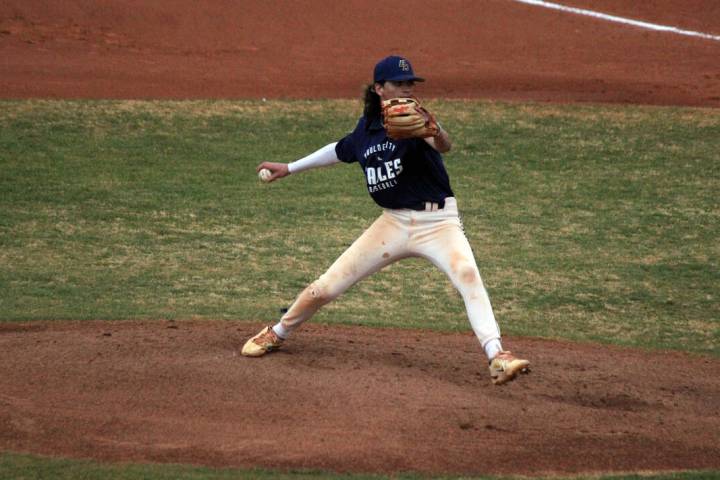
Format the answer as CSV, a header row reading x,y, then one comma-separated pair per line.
x,y
402,78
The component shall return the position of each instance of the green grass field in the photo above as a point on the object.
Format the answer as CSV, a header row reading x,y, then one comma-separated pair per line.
x,y
26,467
589,223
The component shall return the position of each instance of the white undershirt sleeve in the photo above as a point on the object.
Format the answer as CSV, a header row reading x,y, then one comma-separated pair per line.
x,y
321,158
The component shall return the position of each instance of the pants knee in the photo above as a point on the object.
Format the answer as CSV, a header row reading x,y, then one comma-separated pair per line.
x,y
468,275
321,293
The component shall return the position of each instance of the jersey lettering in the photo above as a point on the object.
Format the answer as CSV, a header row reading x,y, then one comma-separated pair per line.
x,y
384,175
389,169
380,174
382,186
379,147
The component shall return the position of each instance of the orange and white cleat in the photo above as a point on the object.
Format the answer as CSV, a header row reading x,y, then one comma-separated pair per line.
x,y
505,367
262,343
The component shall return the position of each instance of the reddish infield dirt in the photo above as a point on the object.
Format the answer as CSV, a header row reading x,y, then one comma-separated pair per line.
x,y
495,49
353,399
350,399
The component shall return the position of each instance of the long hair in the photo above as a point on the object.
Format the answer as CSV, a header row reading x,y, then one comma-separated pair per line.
x,y
371,102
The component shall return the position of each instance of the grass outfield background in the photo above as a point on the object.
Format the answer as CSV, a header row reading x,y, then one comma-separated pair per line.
x,y
592,223
26,467
588,223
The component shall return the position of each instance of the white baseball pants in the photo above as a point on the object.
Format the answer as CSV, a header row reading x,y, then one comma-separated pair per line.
x,y
433,234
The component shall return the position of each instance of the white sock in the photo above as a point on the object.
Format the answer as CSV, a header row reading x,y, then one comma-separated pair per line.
x,y
492,348
280,331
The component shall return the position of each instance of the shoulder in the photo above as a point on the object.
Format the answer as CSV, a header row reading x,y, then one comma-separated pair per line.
x,y
346,146
365,127
361,124
369,124
357,132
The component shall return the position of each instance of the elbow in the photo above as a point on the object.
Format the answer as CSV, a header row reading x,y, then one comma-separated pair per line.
x,y
442,141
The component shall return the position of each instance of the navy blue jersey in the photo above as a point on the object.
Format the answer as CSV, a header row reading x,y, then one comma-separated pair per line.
x,y
399,173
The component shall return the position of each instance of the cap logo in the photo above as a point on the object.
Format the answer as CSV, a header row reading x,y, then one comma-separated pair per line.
x,y
403,65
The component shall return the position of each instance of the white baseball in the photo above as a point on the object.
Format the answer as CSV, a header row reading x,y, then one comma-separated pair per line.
x,y
265,175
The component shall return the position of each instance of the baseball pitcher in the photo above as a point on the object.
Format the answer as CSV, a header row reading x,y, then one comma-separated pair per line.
x,y
398,145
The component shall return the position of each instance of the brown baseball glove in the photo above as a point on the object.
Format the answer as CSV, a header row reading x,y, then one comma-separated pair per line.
x,y
406,118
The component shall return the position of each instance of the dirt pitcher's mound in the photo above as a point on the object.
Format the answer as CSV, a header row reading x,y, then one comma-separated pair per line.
x,y
350,399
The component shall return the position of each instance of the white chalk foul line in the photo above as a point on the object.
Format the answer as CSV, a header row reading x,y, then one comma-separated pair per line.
x,y
613,18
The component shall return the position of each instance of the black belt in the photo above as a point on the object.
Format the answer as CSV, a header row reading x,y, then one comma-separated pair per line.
x,y
428,206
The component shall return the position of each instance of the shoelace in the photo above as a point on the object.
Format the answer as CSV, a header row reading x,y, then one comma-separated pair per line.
x,y
267,337
505,355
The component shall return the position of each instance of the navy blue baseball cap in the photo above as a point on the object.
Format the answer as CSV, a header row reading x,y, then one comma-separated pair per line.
x,y
394,68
